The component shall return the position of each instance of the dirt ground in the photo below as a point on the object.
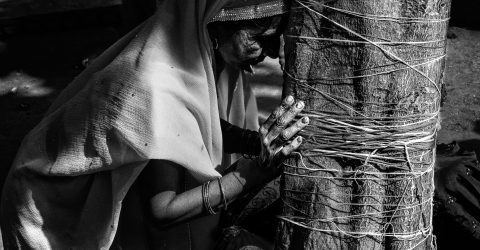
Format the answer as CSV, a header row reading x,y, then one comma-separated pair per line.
x,y
461,111
39,58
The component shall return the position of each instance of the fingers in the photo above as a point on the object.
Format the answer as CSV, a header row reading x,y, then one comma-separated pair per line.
x,y
289,148
294,129
283,121
279,124
278,112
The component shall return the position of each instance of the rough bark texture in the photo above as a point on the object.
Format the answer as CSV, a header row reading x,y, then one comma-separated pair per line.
x,y
410,93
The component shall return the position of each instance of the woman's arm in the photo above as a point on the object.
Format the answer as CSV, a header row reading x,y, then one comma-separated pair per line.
x,y
239,140
169,204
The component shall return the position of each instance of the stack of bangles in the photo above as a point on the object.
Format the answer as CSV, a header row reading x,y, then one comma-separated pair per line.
x,y
206,198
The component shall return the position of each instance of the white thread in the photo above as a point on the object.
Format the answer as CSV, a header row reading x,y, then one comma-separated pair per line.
x,y
400,143
374,44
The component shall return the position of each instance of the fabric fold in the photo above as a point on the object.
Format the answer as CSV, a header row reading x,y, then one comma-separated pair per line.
x,y
152,95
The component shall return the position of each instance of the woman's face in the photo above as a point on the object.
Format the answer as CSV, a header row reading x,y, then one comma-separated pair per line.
x,y
246,43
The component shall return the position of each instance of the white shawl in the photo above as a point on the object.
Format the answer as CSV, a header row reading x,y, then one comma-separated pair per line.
x,y
151,95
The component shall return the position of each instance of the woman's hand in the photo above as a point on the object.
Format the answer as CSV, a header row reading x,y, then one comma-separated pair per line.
x,y
169,202
277,133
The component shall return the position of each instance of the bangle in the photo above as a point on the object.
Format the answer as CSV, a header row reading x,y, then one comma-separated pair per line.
x,y
223,198
205,197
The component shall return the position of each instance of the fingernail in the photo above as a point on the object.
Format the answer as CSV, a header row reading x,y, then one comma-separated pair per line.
x,y
289,99
299,139
305,119
299,104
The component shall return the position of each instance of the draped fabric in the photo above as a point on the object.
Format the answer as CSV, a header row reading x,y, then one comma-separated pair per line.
x,y
152,95
236,103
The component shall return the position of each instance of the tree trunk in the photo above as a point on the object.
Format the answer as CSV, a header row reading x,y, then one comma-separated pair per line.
x,y
371,74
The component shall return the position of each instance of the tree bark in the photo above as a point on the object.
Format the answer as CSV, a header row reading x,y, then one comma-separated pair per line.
x,y
359,65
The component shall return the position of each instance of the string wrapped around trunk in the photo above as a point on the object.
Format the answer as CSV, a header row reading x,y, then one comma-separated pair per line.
x,y
371,74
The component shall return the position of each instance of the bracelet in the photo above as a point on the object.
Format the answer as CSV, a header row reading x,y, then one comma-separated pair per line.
x,y
206,200
203,195
223,198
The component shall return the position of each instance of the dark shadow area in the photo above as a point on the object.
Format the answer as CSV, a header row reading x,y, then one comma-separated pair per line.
x,y
450,235
41,45
476,127
39,56
452,228
465,14
471,145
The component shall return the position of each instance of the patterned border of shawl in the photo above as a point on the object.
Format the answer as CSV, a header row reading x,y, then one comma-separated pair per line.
x,y
251,12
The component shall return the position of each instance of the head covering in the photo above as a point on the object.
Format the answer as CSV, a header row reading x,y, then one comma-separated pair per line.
x,y
250,9
152,95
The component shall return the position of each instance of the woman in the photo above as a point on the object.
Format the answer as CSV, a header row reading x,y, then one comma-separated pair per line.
x,y
149,100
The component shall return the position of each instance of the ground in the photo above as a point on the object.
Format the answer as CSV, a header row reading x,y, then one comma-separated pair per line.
x,y
461,111
39,58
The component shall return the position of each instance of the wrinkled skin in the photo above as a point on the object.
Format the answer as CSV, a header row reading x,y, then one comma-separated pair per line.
x,y
245,43
276,133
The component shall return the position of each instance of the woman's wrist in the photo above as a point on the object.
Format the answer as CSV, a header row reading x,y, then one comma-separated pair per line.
x,y
255,173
